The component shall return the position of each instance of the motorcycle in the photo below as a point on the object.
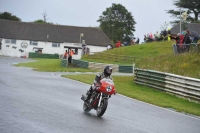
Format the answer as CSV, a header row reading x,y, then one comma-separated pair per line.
x,y
99,98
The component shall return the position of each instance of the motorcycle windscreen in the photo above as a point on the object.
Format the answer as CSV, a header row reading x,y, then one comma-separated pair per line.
x,y
107,86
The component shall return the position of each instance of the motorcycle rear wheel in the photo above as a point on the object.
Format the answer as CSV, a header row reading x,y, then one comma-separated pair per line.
x,y
85,107
103,106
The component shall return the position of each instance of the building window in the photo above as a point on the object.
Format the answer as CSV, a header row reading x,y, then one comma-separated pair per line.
x,y
7,41
55,44
12,41
35,43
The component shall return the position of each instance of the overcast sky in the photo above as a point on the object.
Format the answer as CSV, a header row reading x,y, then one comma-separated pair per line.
x,y
148,14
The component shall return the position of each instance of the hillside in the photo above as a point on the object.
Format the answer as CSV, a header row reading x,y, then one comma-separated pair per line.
x,y
158,56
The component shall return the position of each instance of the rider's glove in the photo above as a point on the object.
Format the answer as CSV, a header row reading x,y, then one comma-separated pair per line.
x,y
95,86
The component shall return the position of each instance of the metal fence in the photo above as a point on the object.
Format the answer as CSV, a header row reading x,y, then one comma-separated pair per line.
x,y
64,63
183,48
112,57
42,55
178,85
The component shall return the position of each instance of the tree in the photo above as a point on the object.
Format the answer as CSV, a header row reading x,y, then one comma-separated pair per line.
x,y
44,21
39,21
9,16
45,15
192,7
117,23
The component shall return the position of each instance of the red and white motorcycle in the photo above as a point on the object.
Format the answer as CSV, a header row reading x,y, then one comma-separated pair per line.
x,y
99,98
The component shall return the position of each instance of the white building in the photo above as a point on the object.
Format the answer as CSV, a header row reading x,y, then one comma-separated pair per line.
x,y
20,38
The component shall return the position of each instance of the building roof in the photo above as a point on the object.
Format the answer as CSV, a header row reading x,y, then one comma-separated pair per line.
x,y
52,33
190,27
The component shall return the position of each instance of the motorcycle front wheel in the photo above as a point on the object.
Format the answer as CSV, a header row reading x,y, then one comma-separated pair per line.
x,y
85,107
103,106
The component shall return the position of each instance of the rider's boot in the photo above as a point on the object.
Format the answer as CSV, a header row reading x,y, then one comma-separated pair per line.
x,y
89,94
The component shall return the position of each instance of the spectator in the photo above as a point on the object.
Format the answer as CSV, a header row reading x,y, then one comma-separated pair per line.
x,y
71,53
138,41
87,50
181,38
168,37
195,36
118,44
145,38
176,38
161,37
84,50
125,43
195,40
169,31
183,33
109,47
156,36
187,40
133,41
168,34
150,37
180,42
164,33
65,55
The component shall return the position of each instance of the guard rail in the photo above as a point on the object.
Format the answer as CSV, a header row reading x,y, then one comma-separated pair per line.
x,y
174,84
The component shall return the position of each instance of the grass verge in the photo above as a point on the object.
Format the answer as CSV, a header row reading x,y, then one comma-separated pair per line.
x,y
126,86
51,65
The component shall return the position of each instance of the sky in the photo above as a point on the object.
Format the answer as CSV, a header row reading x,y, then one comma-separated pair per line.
x,y
149,15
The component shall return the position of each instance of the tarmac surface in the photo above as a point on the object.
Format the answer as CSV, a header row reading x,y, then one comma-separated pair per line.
x,y
44,102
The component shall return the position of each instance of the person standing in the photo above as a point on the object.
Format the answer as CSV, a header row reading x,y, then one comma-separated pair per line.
x,y
145,38
156,36
138,41
87,50
65,55
187,40
169,31
71,53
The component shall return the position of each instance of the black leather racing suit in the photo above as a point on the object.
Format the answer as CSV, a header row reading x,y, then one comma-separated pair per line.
x,y
97,79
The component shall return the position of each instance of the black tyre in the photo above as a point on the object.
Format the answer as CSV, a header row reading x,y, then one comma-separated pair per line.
x,y
103,106
85,107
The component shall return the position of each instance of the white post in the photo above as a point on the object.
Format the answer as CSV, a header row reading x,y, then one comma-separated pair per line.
x,y
134,69
81,35
80,38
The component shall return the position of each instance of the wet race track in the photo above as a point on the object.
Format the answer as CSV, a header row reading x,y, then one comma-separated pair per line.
x,y
42,102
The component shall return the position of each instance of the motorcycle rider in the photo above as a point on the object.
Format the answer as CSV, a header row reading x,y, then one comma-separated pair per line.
x,y
105,74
